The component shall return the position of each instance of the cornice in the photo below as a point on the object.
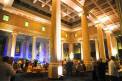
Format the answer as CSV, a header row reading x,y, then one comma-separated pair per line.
x,y
38,19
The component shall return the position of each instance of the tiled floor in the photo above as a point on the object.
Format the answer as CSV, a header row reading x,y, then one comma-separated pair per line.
x,y
46,79
43,77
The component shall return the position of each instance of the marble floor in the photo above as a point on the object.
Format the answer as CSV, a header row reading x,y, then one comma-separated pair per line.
x,y
43,77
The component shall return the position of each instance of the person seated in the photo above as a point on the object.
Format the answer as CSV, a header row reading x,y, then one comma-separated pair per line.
x,y
29,68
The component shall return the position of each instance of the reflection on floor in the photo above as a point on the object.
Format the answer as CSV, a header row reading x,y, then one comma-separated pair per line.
x,y
43,77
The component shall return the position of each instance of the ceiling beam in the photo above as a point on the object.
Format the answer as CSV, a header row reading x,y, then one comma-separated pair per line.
x,y
73,5
44,3
92,15
100,9
112,8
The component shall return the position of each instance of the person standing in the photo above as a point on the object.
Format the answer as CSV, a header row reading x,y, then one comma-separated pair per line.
x,y
6,70
101,68
113,69
94,71
69,68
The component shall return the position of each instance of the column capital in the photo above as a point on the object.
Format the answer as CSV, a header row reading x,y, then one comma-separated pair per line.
x,y
85,10
34,37
108,31
14,33
99,25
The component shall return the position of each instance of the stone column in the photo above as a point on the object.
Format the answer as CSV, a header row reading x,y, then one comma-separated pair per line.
x,y
55,67
11,45
86,41
71,55
109,43
100,37
27,49
97,49
33,47
62,43
81,50
70,48
114,45
22,49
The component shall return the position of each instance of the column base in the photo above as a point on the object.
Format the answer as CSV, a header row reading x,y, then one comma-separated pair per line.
x,y
53,72
89,66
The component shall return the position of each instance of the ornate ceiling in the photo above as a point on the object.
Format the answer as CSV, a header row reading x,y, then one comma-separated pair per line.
x,y
71,10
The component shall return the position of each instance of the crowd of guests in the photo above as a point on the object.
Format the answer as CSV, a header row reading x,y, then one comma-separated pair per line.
x,y
23,65
9,68
106,70
75,67
102,70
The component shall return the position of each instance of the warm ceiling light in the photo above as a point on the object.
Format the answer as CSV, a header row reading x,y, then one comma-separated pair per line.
x,y
80,14
75,35
111,27
78,9
43,5
43,28
73,5
102,19
82,2
35,1
8,3
66,35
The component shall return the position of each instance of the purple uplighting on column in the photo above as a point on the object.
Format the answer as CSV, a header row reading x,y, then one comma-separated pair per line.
x,y
21,49
42,55
27,50
5,48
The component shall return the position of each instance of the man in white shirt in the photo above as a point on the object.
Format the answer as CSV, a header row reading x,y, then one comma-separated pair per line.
x,y
112,69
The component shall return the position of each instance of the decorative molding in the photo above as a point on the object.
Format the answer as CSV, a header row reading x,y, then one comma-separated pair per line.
x,y
20,30
39,19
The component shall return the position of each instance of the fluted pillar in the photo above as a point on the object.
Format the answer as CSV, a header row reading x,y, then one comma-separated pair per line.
x,y
70,48
62,50
100,37
97,49
11,45
33,48
55,67
86,42
81,50
109,43
22,49
114,45
27,49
